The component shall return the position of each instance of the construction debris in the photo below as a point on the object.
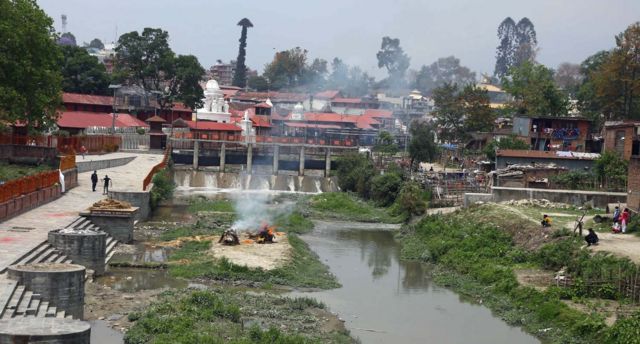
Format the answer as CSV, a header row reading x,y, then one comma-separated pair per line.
x,y
542,203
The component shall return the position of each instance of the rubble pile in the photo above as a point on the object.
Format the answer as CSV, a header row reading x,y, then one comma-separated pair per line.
x,y
542,203
110,204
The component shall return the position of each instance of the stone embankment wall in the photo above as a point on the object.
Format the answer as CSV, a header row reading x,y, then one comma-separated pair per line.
x,y
86,166
577,198
44,330
118,225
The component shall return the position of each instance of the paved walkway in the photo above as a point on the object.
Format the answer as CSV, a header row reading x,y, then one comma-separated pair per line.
x,y
22,233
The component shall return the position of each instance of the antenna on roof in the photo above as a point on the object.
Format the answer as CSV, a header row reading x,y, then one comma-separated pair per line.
x,y
64,23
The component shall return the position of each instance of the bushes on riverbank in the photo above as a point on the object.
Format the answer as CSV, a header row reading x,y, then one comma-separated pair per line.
x,y
229,316
163,187
479,259
357,174
349,207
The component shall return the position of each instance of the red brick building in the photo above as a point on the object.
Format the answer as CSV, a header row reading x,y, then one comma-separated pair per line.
x,y
633,196
622,137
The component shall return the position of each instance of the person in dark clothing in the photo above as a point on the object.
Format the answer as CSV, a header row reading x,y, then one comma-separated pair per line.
x,y
107,182
591,238
94,180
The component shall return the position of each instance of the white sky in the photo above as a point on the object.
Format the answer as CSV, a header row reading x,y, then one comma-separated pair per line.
x,y
568,30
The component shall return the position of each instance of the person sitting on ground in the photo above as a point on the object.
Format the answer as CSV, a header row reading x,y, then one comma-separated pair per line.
x,y
546,221
616,215
624,220
615,229
591,238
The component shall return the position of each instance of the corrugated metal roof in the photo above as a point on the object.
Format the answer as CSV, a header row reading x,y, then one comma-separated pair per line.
x,y
82,120
214,126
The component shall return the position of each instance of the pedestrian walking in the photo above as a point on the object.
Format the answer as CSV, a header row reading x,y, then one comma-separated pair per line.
x,y
616,215
94,180
107,183
83,151
624,220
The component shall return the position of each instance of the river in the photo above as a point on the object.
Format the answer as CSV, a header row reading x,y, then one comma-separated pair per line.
x,y
386,300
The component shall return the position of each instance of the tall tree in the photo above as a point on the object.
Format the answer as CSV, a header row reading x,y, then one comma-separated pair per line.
x,y
526,42
147,60
240,76
314,75
392,57
617,81
534,91
505,51
588,103
29,73
82,73
339,76
449,112
444,70
569,77
518,44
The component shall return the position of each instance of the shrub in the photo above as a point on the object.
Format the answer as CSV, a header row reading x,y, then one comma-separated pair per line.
x,y
140,131
411,199
354,173
162,189
385,188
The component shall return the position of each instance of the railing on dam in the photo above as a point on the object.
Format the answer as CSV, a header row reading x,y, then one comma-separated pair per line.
x,y
275,140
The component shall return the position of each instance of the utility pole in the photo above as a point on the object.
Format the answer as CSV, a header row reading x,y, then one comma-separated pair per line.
x,y
115,87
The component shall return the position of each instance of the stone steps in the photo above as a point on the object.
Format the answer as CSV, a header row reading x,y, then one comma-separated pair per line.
x,y
13,302
7,288
111,248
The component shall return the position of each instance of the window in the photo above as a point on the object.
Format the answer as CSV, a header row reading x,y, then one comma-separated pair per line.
x,y
619,143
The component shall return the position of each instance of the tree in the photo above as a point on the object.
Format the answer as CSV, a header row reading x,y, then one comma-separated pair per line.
x,y
96,43
354,173
526,42
518,45
258,83
534,91
67,38
411,199
478,114
351,81
29,73
568,77
82,73
588,103
147,60
392,57
339,77
422,147
611,169
385,144
449,112
240,76
617,81
509,142
385,188
444,70
287,68
505,51
314,75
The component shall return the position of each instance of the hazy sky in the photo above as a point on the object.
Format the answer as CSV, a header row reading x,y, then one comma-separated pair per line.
x,y
568,30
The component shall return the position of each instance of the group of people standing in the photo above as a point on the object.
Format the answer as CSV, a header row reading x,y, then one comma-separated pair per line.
x,y
620,220
106,180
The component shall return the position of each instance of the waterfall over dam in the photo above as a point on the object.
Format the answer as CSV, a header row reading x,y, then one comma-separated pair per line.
x,y
245,181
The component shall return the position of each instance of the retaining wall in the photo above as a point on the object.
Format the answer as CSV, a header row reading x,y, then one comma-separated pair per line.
x,y
21,204
86,166
578,198
70,178
47,154
138,199
62,285
471,198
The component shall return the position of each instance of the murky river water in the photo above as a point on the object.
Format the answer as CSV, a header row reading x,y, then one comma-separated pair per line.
x,y
386,300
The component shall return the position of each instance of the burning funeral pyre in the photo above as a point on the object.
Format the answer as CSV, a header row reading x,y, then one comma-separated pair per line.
x,y
264,235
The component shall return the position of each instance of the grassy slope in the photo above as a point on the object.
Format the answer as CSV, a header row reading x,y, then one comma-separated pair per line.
x,y
348,207
475,255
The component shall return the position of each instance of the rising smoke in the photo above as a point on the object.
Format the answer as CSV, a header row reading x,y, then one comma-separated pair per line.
x,y
254,208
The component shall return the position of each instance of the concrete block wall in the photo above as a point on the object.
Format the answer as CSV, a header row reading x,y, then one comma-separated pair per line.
x,y
60,284
48,154
86,166
138,199
472,198
87,249
27,202
633,180
44,331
